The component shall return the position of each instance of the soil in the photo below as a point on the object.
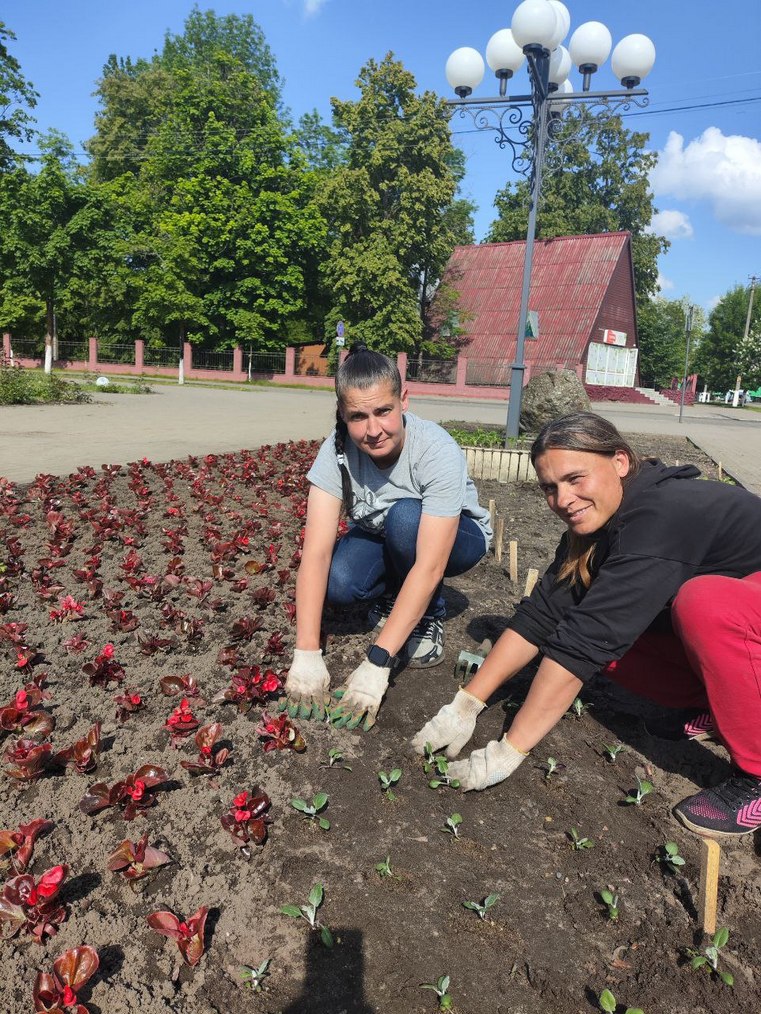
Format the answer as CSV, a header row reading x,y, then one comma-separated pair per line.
x,y
546,945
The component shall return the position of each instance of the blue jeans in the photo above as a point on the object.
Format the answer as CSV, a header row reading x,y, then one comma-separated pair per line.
x,y
365,566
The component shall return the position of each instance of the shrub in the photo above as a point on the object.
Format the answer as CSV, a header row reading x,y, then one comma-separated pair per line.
x,y
20,386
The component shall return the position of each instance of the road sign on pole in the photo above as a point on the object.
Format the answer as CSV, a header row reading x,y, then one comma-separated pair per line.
x,y
532,325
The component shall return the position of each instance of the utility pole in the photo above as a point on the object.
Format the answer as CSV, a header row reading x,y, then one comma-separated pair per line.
x,y
688,333
753,280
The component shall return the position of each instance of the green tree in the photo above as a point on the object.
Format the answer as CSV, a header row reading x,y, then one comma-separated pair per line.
x,y
722,353
387,209
209,67
42,228
595,180
662,331
17,97
212,193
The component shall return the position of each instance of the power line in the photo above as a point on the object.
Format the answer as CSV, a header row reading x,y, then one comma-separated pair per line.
x,y
199,135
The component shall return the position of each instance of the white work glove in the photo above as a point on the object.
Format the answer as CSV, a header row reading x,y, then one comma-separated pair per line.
x,y
486,767
361,696
452,727
307,685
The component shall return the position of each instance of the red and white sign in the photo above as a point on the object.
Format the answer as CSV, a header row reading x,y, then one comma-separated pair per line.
x,y
613,337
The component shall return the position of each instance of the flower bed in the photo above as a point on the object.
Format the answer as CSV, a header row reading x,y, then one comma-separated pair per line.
x,y
215,858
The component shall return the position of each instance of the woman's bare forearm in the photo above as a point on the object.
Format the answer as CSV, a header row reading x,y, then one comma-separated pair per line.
x,y
508,656
552,692
311,586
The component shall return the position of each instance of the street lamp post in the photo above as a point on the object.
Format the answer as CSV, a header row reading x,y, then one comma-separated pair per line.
x,y
526,122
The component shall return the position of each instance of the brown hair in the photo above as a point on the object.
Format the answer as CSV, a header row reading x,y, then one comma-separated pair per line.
x,y
362,368
582,431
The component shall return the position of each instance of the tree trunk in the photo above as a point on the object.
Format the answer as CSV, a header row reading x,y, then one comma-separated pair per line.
x,y
49,330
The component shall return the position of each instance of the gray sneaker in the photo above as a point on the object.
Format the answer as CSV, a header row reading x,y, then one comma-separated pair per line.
x,y
425,645
380,610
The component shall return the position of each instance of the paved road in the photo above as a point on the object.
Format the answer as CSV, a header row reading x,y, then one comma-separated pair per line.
x,y
176,421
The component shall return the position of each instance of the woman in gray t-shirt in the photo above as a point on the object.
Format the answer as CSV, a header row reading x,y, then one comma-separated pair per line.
x,y
414,518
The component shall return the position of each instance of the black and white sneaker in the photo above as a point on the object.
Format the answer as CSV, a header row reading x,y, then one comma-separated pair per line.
x,y
425,645
380,610
730,809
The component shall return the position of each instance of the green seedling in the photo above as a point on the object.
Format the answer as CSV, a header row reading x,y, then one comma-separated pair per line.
x,y
577,842
551,767
482,907
319,802
709,958
610,899
383,869
334,758
438,766
441,989
669,856
643,789
309,913
452,824
389,780
578,708
608,1003
612,751
254,977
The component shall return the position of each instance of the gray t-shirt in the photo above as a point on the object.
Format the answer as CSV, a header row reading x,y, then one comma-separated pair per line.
x,y
430,468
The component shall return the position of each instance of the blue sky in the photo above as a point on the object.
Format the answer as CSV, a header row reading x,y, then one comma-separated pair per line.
x,y
708,181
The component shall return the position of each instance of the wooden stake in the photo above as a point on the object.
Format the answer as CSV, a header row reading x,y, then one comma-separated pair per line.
x,y
493,513
721,473
531,578
709,884
499,537
513,561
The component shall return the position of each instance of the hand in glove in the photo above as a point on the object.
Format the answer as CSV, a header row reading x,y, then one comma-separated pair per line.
x,y
452,727
361,696
486,767
306,686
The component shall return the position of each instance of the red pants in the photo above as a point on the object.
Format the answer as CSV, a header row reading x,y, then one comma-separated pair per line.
x,y
713,662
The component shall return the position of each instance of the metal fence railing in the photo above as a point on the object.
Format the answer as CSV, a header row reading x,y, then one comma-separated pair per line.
x,y
432,371
28,348
205,359
116,354
161,355
264,362
73,351
488,373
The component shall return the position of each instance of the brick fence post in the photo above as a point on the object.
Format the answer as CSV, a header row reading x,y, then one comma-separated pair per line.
x,y
238,373
139,354
401,364
290,362
187,359
92,354
461,376
7,345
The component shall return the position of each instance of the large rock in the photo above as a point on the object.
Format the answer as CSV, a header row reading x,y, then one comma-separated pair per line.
x,y
549,395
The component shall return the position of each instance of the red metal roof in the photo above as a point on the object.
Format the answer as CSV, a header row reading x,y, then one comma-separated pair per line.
x,y
570,278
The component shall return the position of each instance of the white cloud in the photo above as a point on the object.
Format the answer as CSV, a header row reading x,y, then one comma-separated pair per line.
x,y
671,224
724,170
663,283
713,302
312,7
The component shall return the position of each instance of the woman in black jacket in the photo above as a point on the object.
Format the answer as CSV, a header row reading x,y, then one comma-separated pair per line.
x,y
657,584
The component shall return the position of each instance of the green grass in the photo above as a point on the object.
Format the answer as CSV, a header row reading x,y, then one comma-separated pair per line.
x,y
19,386
483,435
116,387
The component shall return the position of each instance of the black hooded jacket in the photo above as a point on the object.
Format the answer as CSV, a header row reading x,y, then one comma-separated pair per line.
x,y
671,526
